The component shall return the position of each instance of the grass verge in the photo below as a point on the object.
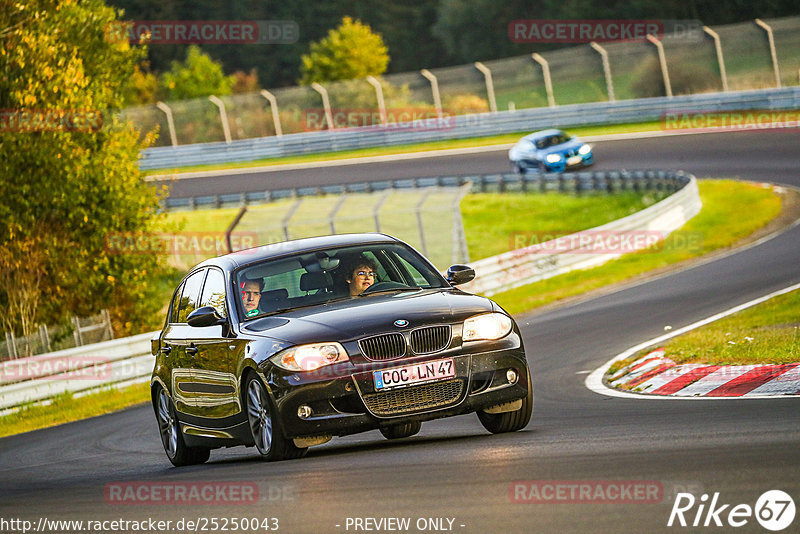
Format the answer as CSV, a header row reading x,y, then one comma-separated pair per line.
x,y
719,225
766,333
66,408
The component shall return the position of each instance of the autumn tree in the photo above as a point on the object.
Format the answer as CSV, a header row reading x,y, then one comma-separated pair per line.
x,y
348,52
69,171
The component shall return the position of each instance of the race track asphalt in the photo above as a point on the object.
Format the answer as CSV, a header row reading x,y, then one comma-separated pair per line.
x,y
453,468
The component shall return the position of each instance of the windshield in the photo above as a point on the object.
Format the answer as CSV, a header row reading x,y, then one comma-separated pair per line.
x,y
338,273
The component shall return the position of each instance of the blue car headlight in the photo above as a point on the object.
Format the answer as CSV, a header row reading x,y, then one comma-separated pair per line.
x,y
553,158
584,149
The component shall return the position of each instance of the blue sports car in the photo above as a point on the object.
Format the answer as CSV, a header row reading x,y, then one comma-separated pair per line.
x,y
549,151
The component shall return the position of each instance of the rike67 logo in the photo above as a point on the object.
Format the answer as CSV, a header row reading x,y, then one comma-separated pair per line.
x,y
774,510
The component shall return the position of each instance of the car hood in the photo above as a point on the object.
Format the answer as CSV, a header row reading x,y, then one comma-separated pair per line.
x,y
354,318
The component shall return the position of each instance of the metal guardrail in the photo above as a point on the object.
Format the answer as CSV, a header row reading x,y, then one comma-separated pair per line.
x,y
573,182
118,362
128,360
464,126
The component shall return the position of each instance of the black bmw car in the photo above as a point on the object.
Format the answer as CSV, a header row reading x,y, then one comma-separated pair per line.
x,y
284,346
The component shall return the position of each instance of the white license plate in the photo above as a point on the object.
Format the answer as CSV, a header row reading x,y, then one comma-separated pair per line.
x,y
574,160
414,374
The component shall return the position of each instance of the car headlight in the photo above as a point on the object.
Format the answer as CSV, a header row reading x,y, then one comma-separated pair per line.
x,y
584,149
553,158
486,326
310,357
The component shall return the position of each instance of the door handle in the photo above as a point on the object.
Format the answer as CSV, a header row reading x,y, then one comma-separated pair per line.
x,y
191,349
166,349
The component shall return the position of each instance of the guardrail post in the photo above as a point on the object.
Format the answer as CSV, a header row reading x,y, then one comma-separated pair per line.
x,y
170,123
718,47
273,104
437,99
326,104
548,83
373,81
223,117
487,76
662,59
772,53
606,69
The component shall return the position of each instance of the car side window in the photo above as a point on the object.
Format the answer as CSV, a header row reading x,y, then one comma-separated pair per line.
x,y
175,305
190,295
214,292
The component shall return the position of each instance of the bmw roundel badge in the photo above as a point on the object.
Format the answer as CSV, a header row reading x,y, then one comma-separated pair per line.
x,y
401,323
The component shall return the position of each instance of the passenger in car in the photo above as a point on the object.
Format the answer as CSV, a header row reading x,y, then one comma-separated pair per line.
x,y
360,274
251,295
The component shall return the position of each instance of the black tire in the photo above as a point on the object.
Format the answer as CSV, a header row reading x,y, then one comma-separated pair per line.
x,y
517,168
171,437
403,430
498,423
264,428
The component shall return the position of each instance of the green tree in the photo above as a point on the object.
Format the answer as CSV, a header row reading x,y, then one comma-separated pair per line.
x,y
196,77
69,172
349,51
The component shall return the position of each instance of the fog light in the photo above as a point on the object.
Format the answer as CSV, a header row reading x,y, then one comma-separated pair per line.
x,y
511,375
304,411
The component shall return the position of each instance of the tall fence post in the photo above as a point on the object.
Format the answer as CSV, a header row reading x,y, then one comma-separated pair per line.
x,y
772,52
418,213
662,59
76,324
170,123
326,104
107,319
548,83
606,69
334,211
460,253
376,209
223,117
11,344
718,47
373,81
45,337
273,104
487,76
437,99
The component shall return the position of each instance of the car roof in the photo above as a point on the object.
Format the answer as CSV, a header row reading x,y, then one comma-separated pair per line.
x,y
297,246
543,133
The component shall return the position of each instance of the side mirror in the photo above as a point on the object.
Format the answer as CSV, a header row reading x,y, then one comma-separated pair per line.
x,y
205,316
460,274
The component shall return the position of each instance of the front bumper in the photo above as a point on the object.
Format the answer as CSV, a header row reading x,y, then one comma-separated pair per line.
x,y
350,404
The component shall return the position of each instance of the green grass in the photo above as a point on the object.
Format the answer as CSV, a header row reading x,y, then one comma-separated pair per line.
x,y
499,223
766,333
66,408
504,139
719,225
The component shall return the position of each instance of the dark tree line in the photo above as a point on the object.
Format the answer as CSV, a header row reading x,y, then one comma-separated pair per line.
x,y
418,33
